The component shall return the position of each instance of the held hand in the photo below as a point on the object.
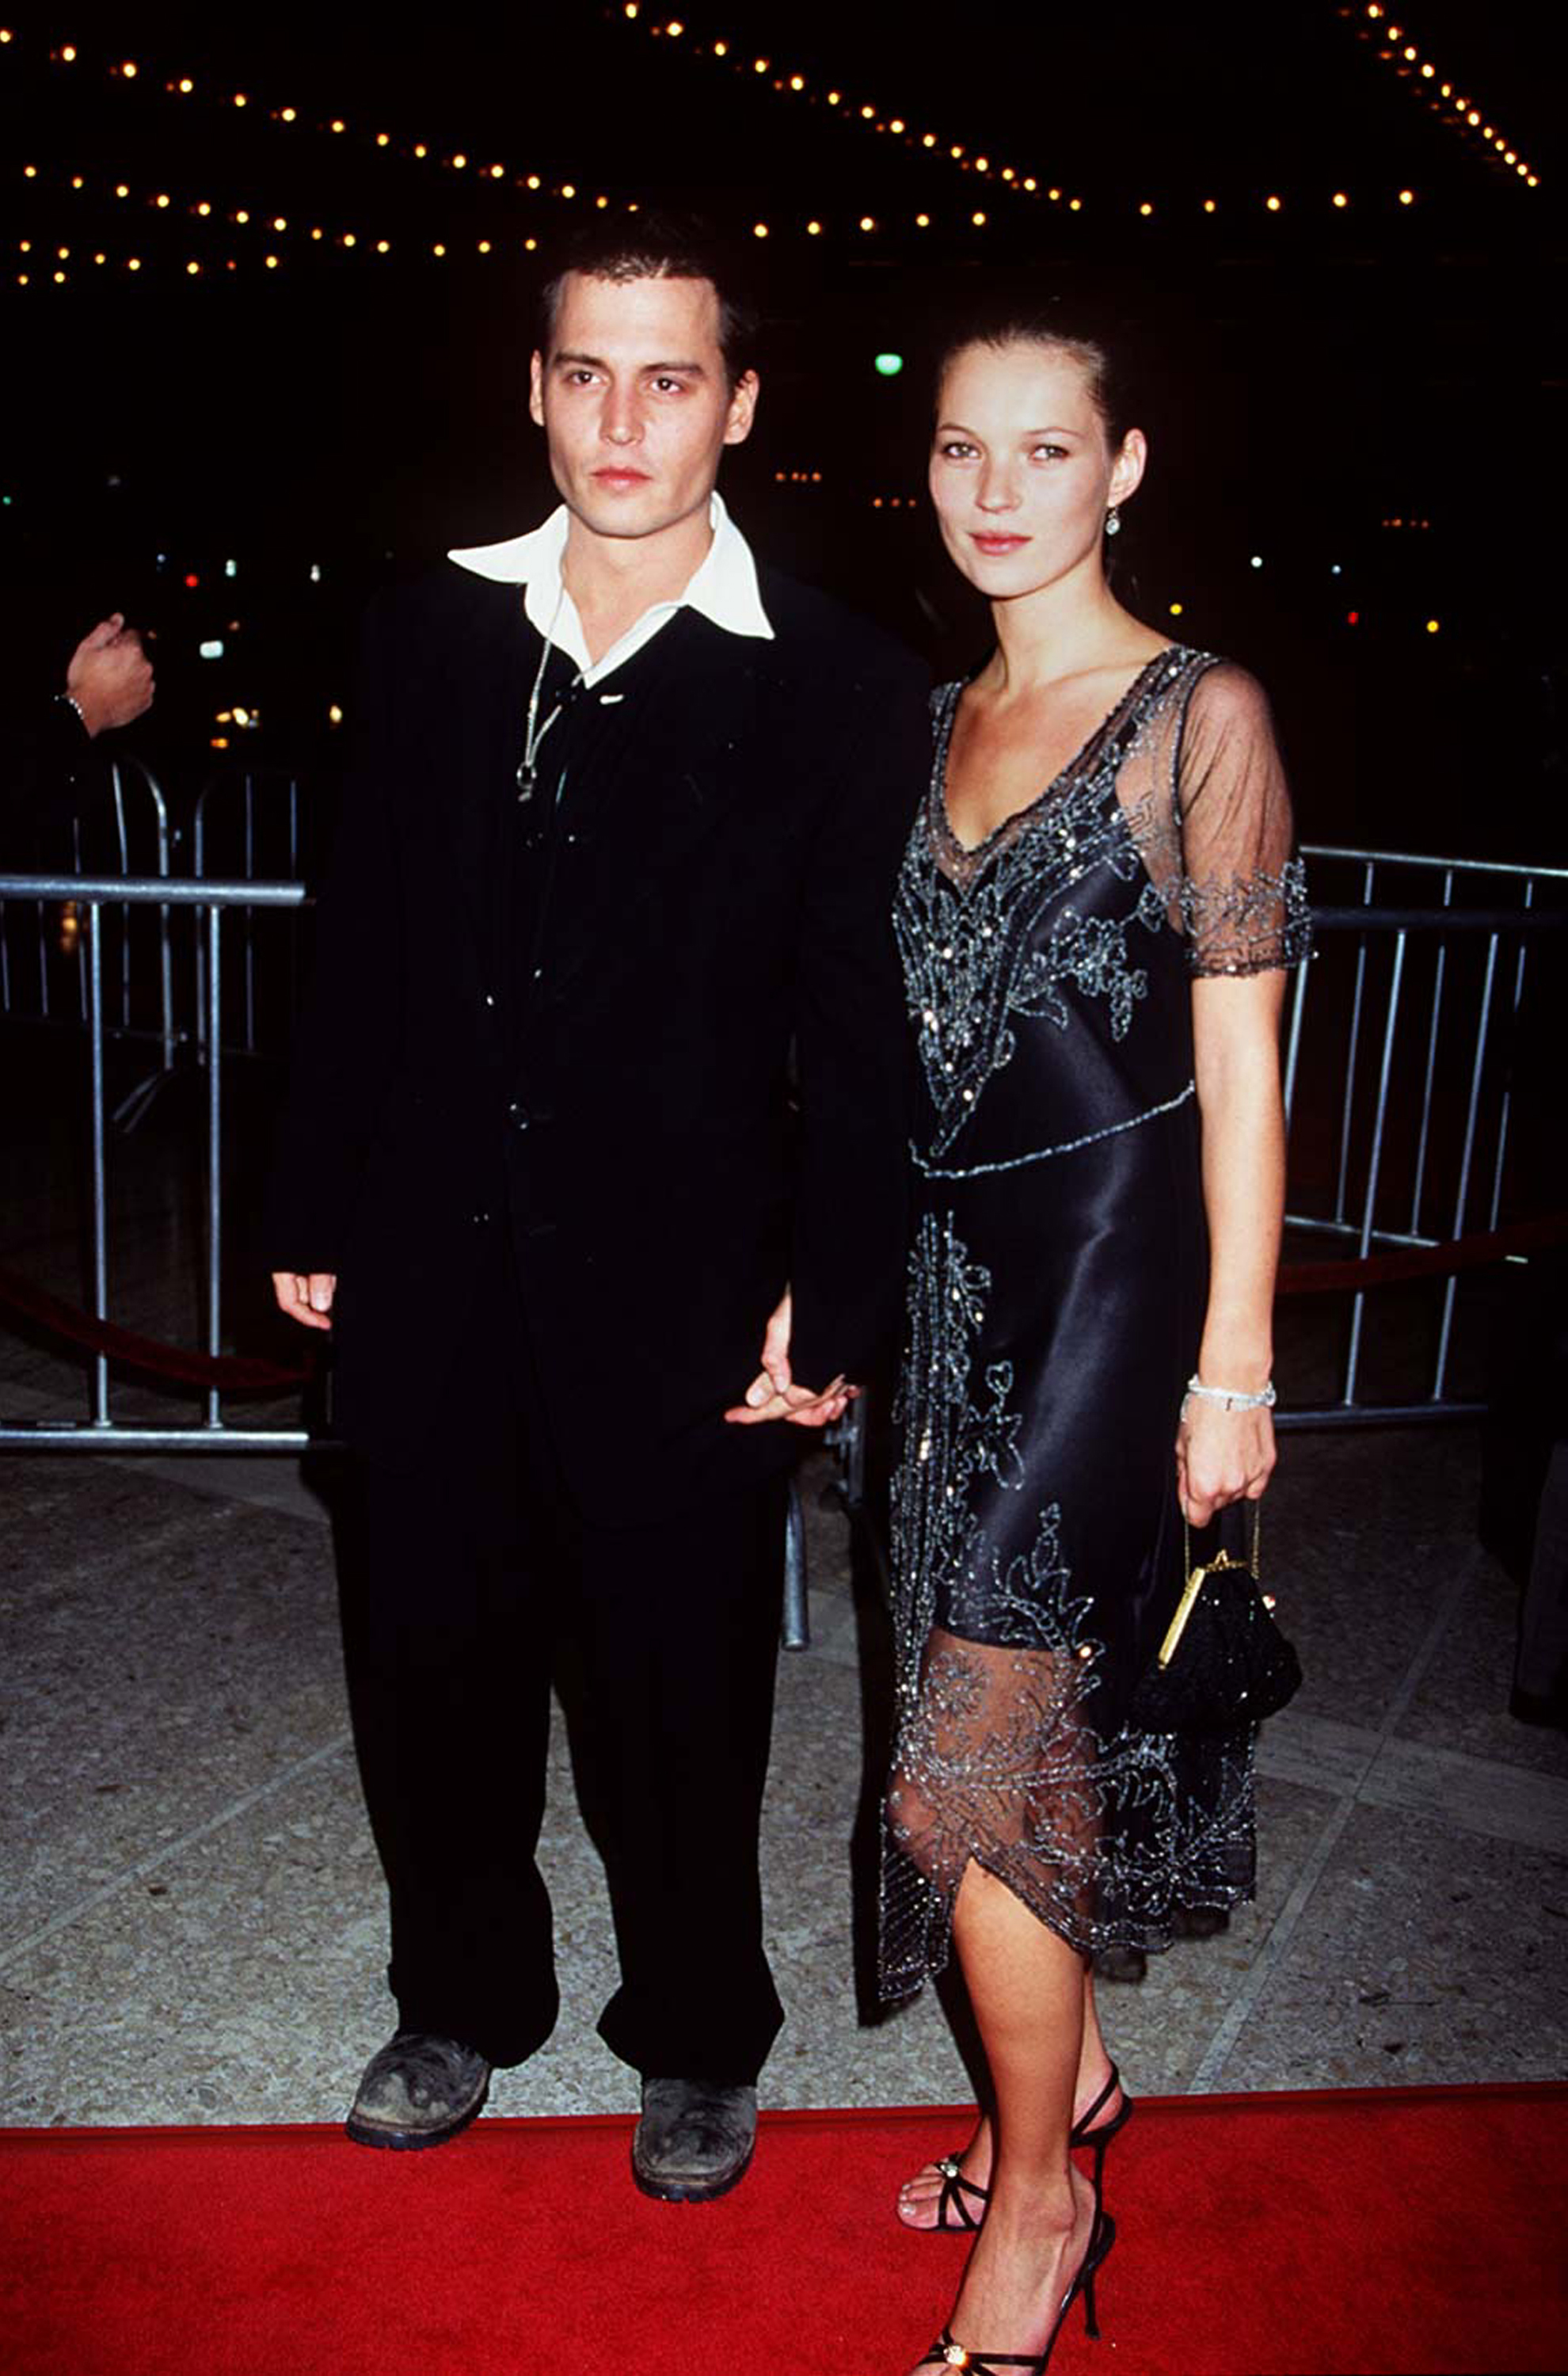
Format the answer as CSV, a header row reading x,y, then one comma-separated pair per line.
x,y
305,1296
110,677
798,1404
1221,1456
773,1395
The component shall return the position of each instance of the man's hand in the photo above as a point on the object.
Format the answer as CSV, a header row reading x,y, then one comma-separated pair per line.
x,y
305,1296
773,1393
110,677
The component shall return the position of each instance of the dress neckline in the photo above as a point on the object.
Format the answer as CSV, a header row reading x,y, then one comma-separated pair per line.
x,y
969,851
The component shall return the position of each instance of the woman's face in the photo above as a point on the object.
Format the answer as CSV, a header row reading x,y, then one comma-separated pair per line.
x,y
1021,472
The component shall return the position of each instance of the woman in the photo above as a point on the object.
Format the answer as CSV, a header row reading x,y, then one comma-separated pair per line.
x,y
1095,914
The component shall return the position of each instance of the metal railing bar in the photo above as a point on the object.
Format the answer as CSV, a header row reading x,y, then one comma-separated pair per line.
x,y
1415,857
1347,1110
199,862
1523,921
1505,1114
1358,1309
1293,1043
796,1633
1472,1109
165,936
81,945
100,1172
127,1034
1324,1227
52,1435
147,890
1438,972
247,921
117,794
214,1154
1345,1415
43,965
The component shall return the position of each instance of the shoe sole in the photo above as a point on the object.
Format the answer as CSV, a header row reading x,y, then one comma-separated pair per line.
x,y
371,2133
697,2190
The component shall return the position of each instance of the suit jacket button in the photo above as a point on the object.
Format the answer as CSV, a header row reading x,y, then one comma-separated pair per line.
x,y
518,1114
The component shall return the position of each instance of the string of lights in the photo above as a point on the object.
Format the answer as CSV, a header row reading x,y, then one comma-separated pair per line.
x,y
131,75
44,257
742,59
265,239
1397,50
268,228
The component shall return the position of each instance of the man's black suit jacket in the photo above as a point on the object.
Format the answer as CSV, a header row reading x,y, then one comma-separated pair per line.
x,y
724,900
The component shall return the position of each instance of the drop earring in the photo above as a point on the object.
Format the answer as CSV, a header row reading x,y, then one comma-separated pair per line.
x,y
1113,522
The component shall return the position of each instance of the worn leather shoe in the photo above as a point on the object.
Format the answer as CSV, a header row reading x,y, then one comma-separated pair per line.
x,y
694,2140
418,2090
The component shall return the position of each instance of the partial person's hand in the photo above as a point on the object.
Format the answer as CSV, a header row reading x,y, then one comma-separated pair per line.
x,y
1221,1456
773,1394
110,676
305,1296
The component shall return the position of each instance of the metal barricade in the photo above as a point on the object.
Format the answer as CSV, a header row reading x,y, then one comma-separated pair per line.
x,y
209,902
43,956
1418,1066
248,821
1483,958
94,895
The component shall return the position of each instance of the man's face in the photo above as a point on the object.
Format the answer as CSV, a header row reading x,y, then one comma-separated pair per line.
x,y
635,403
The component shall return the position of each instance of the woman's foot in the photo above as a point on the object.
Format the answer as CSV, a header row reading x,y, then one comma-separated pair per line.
x,y
935,2197
920,2199
1021,2269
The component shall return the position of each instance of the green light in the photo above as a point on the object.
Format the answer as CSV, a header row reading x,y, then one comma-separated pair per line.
x,y
890,365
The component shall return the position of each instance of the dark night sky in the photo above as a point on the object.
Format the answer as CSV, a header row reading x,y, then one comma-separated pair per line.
x,y
1311,372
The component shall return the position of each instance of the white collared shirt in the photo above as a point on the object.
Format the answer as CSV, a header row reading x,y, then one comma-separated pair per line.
x,y
723,586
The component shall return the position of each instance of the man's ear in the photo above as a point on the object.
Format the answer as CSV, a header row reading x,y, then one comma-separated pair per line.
x,y
535,388
743,408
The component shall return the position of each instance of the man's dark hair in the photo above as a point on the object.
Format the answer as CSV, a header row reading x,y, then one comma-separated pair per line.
x,y
659,247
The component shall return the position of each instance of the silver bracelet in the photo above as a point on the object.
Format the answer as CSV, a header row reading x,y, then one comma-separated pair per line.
x,y
1233,1400
72,703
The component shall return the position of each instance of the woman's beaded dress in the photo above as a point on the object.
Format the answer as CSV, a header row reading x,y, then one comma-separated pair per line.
x,y
1058,1280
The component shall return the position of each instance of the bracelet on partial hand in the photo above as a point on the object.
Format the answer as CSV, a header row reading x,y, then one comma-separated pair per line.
x,y
1233,1399
72,703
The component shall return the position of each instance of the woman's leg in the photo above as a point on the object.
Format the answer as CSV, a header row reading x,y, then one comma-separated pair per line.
x,y
919,2200
1027,1987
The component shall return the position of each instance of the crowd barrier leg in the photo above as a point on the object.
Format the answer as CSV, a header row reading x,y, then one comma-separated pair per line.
x,y
797,1634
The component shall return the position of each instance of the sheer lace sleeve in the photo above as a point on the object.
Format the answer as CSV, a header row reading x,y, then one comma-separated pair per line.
x,y
1241,897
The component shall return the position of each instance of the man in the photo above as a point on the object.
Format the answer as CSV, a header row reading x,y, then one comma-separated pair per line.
x,y
621,845
45,748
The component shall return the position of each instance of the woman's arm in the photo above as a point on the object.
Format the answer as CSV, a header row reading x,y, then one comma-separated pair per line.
x,y
1222,1455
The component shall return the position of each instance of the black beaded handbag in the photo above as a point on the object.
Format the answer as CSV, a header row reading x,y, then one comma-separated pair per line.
x,y
1224,1662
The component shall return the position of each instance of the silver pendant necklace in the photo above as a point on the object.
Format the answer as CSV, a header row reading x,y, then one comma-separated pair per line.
x,y
534,731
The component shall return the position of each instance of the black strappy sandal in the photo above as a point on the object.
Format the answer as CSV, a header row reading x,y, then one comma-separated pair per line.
x,y
1083,2133
946,2352
955,2185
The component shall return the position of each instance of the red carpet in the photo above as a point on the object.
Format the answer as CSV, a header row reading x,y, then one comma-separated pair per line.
x,y
1400,2230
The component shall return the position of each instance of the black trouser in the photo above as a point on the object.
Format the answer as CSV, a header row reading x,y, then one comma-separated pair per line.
x,y
477,1567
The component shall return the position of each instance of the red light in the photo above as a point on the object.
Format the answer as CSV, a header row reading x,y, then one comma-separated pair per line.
x,y
1352,618
192,580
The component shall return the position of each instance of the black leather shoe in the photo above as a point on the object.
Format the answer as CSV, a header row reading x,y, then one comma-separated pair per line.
x,y
1199,1921
694,2140
1121,1964
418,2090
